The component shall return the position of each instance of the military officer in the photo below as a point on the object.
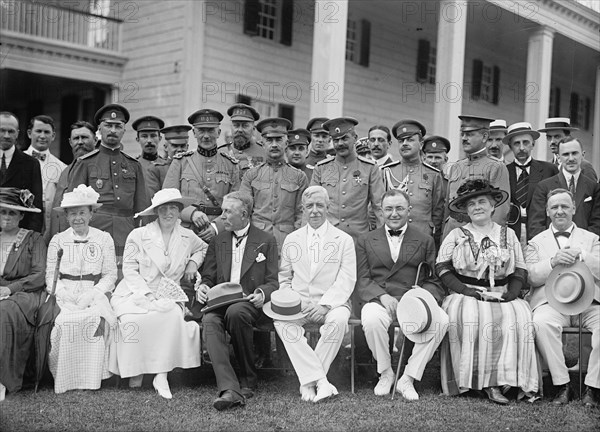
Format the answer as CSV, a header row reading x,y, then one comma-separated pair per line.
x,y
422,182
320,141
244,147
435,152
352,181
275,185
297,151
148,137
205,175
116,176
474,135
176,141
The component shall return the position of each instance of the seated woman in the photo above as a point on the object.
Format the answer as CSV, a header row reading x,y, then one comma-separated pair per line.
x,y
490,339
154,338
22,267
87,271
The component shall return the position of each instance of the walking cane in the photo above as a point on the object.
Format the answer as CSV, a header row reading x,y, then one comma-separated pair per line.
x,y
59,256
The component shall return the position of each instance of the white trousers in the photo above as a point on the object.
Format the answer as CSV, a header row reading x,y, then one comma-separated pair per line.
x,y
376,321
313,365
549,324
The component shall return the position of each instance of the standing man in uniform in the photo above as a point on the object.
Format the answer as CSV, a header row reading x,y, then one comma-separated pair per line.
x,y
206,175
176,141
351,181
116,176
435,153
244,147
297,151
320,141
423,183
275,186
42,133
494,144
474,135
148,136
556,129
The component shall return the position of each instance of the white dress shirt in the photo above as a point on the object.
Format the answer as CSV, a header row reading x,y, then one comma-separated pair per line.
x,y
314,244
237,254
8,155
395,243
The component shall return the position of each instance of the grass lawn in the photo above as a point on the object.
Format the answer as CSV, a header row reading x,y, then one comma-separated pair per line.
x,y
277,407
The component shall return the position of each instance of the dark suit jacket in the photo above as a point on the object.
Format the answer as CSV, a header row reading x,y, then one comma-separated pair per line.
x,y
24,172
587,204
538,171
254,275
378,274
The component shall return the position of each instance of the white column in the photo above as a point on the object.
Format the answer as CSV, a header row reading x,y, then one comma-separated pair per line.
x,y
328,59
449,76
193,59
537,84
596,130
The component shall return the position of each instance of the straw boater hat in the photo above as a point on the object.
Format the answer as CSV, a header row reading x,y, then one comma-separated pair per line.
x,y
164,196
285,305
557,123
82,195
223,294
520,128
17,199
419,315
475,188
570,289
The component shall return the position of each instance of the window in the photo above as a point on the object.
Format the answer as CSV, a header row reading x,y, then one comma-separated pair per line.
x,y
486,82
554,108
269,19
426,62
358,41
580,110
351,41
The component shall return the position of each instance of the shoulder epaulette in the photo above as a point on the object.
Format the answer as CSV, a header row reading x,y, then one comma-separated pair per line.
x,y
160,162
431,167
87,155
310,166
224,145
328,159
292,166
228,156
391,164
128,156
494,158
180,155
364,159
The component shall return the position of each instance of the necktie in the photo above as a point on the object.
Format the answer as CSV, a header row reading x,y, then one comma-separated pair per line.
x,y
522,186
239,238
3,167
556,161
395,233
572,185
38,155
562,234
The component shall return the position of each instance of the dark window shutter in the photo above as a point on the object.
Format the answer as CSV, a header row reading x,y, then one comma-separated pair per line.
x,y
287,21
476,81
365,42
251,10
287,112
496,94
573,109
556,112
588,109
240,98
423,60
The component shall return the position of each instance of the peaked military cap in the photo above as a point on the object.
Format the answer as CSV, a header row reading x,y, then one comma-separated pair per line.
x,y
315,125
177,134
472,123
112,113
338,127
242,112
274,127
298,136
205,117
436,144
407,128
148,123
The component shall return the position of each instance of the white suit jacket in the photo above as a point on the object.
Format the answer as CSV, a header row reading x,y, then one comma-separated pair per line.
x,y
541,250
332,282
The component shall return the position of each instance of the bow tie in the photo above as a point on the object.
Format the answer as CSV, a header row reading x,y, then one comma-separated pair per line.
x,y
80,241
38,155
523,167
562,234
395,233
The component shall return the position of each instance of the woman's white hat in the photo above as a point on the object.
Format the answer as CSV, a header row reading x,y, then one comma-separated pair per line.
x,y
165,196
82,195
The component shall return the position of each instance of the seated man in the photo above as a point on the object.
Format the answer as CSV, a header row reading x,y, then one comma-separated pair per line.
x,y
246,255
387,263
318,261
563,243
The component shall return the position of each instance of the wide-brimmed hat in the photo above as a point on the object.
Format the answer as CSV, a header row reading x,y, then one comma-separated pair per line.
x,y
570,289
285,305
475,188
82,195
223,294
419,315
164,196
17,199
520,128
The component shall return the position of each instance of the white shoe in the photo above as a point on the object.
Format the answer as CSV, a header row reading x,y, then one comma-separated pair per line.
x,y
136,381
325,390
308,392
406,389
386,381
161,385
2,392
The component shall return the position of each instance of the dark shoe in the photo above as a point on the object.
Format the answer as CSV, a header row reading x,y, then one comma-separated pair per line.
x,y
228,399
495,395
564,395
247,392
591,397
263,361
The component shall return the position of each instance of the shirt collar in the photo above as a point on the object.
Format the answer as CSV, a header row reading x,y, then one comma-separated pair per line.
x,y
382,160
8,153
569,230
569,175
242,231
403,228
319,231
527,162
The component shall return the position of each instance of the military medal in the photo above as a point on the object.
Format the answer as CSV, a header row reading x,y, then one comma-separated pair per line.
x,y
99,183
357,178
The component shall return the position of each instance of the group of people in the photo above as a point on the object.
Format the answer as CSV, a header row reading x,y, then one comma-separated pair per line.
x,y
297,228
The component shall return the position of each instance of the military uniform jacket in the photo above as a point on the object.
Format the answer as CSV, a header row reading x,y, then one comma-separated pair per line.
x,y
314,157
277,189
219,173
424,185
249,157
147,165
156,175
119,180
352,184
476,166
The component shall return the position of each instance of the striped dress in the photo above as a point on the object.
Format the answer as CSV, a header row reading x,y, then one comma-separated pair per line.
x,y
489,343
